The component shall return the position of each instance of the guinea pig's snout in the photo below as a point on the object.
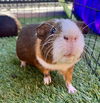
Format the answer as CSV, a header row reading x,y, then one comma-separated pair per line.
x,y
70,45
70,51
71,39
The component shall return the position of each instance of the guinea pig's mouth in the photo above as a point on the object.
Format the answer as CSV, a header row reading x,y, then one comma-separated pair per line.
x,y
69,55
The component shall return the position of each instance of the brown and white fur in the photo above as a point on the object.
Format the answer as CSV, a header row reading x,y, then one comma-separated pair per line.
x,y
53,45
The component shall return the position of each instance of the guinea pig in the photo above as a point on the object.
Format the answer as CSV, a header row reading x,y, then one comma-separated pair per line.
x,y
53,45
9,25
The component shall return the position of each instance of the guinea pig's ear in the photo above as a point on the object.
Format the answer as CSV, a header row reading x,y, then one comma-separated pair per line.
x,y
42,31
84,28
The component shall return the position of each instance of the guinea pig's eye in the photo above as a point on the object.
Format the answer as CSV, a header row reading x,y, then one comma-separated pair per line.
x,y
53,30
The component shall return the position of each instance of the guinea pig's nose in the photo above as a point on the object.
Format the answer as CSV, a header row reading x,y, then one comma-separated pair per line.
x,y
73,39
65,37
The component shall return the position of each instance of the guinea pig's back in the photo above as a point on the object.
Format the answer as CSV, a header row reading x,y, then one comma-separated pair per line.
x,y
25,46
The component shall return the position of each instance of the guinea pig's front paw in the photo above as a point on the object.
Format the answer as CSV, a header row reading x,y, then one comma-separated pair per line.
x,y
23,64
47,80
71,89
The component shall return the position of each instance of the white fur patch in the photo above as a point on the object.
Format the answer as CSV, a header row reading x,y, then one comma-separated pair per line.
x,y
58,66
23,64
71,89
62,47
47,80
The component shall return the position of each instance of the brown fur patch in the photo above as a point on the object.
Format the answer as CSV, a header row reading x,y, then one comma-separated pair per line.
x,y
42,31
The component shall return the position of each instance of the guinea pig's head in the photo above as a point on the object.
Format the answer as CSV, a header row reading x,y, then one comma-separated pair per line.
x,y
65,36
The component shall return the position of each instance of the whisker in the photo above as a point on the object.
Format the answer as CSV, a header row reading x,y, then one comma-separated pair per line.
x,y
87,52
90,50
49,37
88,25
87,39
88,47
83,53
48,42
92,42
50,49
90,53
47,49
